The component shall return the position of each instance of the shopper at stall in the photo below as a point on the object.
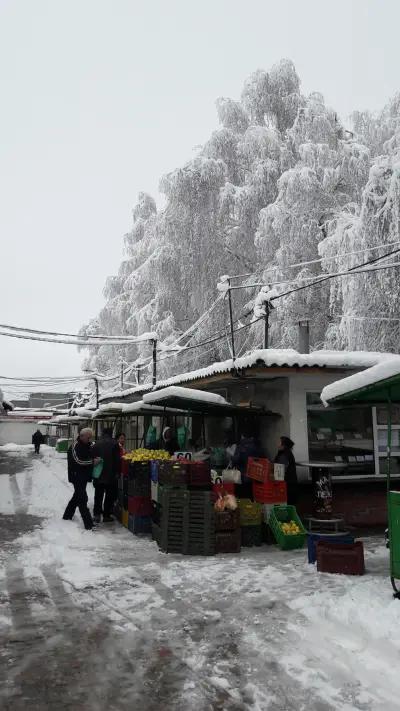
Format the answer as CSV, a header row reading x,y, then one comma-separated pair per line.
x,y
121,439
248,446
108,450
80,467
169,441
37,440
285,456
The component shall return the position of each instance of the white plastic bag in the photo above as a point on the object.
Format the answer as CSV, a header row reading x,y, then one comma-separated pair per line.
x,y
232,475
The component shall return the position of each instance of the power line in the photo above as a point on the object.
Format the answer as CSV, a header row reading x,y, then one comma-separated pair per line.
x,y
316,261
129,339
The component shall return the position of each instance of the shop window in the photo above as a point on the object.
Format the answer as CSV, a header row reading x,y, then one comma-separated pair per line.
x,y
381,423
341,436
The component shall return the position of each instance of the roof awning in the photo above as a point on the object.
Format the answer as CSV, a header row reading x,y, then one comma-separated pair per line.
x,y
115,409
373,386
200,402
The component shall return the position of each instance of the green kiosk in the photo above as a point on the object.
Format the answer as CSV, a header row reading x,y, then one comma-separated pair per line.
x,y
379,385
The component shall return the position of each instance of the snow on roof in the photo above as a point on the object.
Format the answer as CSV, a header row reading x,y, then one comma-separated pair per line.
x,y
387,367
270,358
186,393
82,412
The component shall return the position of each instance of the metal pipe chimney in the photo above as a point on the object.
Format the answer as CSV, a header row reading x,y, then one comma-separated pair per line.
x,y
304,336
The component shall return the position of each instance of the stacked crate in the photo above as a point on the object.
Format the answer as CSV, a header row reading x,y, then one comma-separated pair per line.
x,y
227,535
251,520
139,504
184,519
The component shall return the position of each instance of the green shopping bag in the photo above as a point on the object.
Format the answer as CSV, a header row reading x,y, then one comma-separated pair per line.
x,y
97,469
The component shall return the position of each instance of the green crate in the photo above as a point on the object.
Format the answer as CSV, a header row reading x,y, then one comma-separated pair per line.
x,y
284,513
251,513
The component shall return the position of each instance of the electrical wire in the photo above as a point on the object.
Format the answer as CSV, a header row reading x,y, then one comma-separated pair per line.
x,y
316,261
128,339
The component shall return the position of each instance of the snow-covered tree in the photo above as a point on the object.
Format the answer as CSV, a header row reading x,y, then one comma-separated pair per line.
x,y
281,190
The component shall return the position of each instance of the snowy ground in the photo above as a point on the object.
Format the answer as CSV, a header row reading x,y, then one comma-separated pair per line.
x,y
102,620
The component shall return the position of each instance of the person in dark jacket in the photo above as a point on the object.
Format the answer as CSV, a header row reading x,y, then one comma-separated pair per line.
x,y
37,440
285,456
105,487
169,441
80,466
248,446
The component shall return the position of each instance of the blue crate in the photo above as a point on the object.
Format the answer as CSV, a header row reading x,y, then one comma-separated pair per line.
x,y
314,538
154,465
139,524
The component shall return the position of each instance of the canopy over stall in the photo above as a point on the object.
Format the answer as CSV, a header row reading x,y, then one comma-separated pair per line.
x,y
198,401
375,386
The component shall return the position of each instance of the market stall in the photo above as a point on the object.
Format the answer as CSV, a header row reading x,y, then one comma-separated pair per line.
x,y
379,385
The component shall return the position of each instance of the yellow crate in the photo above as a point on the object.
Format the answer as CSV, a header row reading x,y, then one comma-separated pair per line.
x,y
125,517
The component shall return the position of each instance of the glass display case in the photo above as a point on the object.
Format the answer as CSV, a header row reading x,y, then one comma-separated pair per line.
x,y
380,420
341,436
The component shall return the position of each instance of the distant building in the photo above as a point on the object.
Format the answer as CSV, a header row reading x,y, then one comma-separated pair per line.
x,y
40,400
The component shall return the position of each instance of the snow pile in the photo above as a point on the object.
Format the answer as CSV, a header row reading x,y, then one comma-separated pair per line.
x,y
186,394
388,367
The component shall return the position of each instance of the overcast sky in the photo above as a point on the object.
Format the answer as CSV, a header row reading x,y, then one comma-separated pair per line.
x,y
99,98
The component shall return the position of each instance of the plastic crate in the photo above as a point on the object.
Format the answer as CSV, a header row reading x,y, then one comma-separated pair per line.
x,y
251,536
139,487
172,473
228,541
125,518
260,469
221,489
140,505
251,513
314,538
187,523
139,470
285,514
339,558
227,520
154,467
270,492
139,524
198,474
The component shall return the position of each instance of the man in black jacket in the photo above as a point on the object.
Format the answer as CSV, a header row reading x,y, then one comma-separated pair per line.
x,y
285,456
80,466
37,440
105,487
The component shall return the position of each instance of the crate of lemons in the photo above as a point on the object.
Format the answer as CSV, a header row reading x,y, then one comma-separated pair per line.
x,y
146,455
291,528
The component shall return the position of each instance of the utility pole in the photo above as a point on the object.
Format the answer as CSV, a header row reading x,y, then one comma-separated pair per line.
x,y
122,374
231,321
268,309
96,382
154,362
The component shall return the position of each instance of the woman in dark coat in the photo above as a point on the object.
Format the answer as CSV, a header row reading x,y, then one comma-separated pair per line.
x,y
285,457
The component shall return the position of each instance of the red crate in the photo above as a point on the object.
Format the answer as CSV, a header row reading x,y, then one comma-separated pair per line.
x,y
270,492
340,558
198,473
140,505
260,469
227,488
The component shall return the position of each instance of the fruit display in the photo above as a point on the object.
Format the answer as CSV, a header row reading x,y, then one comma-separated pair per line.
x,y
146,455
291,528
